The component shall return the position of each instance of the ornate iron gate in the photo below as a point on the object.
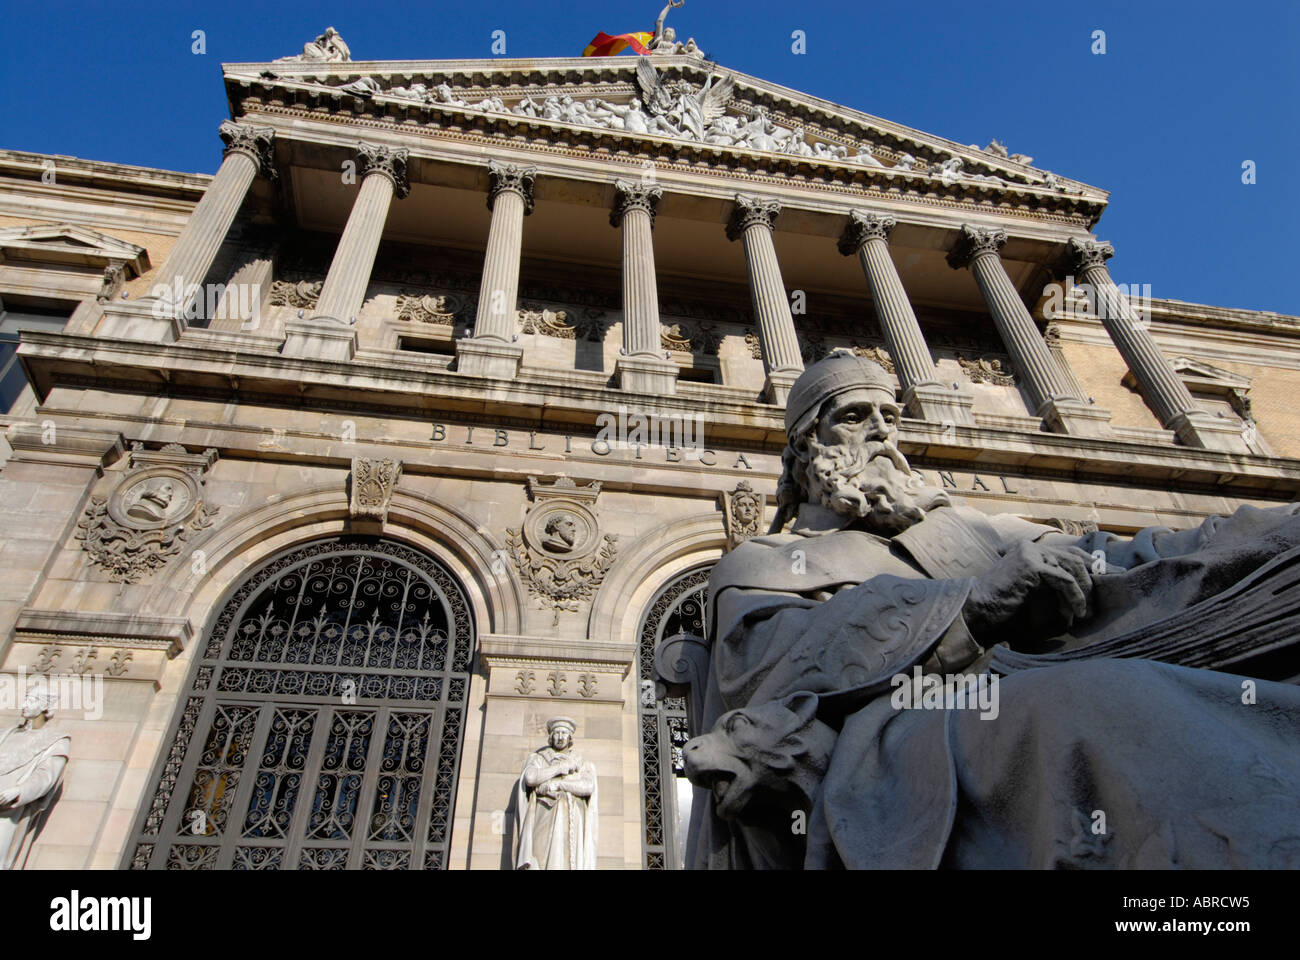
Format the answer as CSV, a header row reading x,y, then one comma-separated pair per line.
x,y
322,725
679,608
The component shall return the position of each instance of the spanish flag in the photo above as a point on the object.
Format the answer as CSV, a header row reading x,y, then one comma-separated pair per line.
x,y
606,46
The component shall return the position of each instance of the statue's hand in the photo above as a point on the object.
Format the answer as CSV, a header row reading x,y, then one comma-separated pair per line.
x,y
1027,572
9,797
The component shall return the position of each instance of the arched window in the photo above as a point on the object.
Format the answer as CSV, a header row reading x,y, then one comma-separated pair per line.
x,y
665,791
322,724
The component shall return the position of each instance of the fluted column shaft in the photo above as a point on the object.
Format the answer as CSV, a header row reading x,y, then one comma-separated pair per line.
x,y
510,198
634,210
344,290
1042,376
248,152
1161,386
868,234
753,223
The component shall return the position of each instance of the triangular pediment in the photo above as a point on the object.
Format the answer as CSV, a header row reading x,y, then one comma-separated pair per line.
x,y
1198,371
676,105
71,243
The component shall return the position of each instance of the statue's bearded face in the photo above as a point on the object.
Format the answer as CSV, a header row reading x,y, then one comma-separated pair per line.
x,y
561,738
852,466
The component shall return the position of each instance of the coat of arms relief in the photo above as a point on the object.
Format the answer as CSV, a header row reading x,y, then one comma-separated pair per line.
x,y
149,516
560,552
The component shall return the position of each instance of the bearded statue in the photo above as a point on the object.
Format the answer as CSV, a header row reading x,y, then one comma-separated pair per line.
x,y
1100,737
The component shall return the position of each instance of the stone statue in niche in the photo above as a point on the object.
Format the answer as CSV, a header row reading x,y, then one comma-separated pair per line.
x,y
929,685
555,806
33,755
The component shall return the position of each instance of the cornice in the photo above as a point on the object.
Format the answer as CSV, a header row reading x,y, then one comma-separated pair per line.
x,y
861,184
520,77
274,380
302,93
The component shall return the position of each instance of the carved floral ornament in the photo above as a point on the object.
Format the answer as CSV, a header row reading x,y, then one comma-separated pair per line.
x,y
981,370
560,551
372,485
302,294
153,510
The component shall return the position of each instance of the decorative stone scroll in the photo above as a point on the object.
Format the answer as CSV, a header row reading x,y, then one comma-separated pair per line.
x,y
302,294
987,371
559,551
442,310
878,355
687,337
152,512
372,487
584,324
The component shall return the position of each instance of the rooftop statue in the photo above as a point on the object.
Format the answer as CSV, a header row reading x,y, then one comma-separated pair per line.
x,y
1096,742
665,38
328,48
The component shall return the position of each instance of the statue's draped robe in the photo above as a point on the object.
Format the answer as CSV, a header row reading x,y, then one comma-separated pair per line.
x,y
556,833
33,762
839,613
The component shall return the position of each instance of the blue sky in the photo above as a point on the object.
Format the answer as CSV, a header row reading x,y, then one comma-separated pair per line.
x,y
1164,119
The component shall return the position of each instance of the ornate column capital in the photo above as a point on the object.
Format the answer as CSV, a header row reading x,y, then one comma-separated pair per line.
x,y
751,210
862,227
1081,254
975,242
633,195
514,177
388,161
250,140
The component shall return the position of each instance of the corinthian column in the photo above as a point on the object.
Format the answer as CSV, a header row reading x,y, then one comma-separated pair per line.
x,y
177,296
924,396
330,333
1160,385
492,351
642,366
752,222
1051,395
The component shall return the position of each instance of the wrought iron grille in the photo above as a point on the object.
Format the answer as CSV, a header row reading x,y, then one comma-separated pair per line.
x,y
679,608
322,725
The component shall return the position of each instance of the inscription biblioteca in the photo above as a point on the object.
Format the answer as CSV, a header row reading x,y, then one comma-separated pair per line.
x,y
537,442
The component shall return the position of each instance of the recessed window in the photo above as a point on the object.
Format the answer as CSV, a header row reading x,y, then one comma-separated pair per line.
x,y
437,348
697,374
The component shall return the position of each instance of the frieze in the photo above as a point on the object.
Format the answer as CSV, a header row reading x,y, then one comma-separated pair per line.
x,y
443,309
981,370
302,294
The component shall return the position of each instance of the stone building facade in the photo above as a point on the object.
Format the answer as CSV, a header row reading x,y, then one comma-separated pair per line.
x,y
423,419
